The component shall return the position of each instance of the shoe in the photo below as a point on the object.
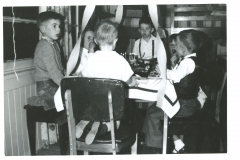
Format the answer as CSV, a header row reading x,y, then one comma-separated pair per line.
x,y
92,134
80,127
181,151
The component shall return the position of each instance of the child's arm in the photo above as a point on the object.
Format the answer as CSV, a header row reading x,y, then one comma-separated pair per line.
x,y
186,67
53,63
135,47
174,59
91,47
132,81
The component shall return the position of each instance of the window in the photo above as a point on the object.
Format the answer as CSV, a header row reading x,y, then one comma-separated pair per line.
x,y
26,32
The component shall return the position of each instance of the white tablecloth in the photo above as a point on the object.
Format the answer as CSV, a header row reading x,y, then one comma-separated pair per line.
x,y
146,90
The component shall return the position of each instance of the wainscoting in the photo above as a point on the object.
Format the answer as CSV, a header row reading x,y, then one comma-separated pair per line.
x,y
16,93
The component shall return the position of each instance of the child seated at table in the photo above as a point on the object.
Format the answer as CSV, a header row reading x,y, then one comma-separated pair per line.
x,y
105,63
184,76
87,49
172,50
47,60
145,47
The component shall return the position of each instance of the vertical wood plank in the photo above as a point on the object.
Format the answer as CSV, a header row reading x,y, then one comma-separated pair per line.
x,y
26,144
13,123
23,125
17,117
7,126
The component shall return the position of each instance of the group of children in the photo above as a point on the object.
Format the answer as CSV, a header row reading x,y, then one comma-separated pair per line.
x,y
107,63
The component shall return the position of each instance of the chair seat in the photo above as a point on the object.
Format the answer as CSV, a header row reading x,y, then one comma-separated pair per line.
x,y
201,121
40,115
125,137
124,133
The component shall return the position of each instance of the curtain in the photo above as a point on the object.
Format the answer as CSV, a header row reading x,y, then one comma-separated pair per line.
x,y
49,133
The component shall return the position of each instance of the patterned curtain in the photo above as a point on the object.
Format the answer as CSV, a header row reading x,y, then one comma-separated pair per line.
x,y
49,131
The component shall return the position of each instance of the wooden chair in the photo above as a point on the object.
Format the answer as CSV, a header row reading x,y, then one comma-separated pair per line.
x,y
203,122
38,114
106,98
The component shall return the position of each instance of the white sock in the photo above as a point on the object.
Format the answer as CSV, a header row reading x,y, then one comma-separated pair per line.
x,y
178,144
118,124
108,125
80,127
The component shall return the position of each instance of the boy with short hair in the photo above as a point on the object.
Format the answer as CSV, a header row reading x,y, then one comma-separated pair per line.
x,y
105,63
47,59
145,47
186,83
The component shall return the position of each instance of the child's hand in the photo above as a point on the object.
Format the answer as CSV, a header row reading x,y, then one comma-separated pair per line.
x,y
134,81
174,60
92,45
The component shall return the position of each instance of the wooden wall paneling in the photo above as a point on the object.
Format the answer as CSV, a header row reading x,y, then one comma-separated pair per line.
x,y
14,137
7,126
190,9
26,95
17,115
200,18
25,143
213,32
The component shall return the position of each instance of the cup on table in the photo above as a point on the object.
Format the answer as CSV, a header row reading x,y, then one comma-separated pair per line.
x,y
132,58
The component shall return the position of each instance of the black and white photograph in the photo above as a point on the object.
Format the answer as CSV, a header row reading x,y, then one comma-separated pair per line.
x,y
122,78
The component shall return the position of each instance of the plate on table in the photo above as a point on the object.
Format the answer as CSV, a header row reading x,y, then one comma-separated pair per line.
x,y
154,74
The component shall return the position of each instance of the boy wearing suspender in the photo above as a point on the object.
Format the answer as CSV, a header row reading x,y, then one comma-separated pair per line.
x,y
145,47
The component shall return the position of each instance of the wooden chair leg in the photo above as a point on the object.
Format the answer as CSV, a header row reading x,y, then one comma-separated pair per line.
x,y
111,122
63,138
134,147
71,123
31,125
165,132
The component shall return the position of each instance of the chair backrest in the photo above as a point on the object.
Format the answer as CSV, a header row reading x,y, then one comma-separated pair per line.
x,y
213,76
90,97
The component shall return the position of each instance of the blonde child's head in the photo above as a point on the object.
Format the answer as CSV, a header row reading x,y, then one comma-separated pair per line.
x,y
188,42
106,33
49,24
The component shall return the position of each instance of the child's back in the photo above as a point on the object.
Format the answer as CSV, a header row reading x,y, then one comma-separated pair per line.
x,y
105,63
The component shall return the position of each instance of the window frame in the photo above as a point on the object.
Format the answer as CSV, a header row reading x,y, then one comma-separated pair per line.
x,y
21,65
